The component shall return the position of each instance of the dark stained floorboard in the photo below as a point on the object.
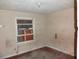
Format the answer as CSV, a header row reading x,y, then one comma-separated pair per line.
x,y
43,53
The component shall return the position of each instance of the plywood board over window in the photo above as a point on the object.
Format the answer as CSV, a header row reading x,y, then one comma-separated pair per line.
x,y
24,30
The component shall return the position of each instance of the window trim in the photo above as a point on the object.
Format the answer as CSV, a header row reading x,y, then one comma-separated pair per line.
x,y
33,22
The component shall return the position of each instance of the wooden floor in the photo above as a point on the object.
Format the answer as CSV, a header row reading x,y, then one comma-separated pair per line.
x,y
43,53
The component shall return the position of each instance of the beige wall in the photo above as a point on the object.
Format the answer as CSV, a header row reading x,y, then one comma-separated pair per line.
x,y
2,43
8,20
45,27
62,23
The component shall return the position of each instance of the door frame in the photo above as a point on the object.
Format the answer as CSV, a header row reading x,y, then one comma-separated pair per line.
x,y
76,29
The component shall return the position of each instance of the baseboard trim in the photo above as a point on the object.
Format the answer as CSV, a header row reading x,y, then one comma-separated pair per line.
x,y
16,54
65,52
45,48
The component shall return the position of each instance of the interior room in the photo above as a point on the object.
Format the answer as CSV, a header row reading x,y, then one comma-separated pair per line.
x,y
37,29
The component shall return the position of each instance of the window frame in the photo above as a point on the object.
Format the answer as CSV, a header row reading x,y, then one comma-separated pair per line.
x,y
24,18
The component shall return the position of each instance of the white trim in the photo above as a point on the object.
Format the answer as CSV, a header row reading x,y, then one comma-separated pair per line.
x,y
23,19
10,56
30,50
24,24
23,52
26,42
29,18
16,33
60,50
35,49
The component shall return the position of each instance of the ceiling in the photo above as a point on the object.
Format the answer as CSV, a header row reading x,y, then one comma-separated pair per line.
x,y
38,6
